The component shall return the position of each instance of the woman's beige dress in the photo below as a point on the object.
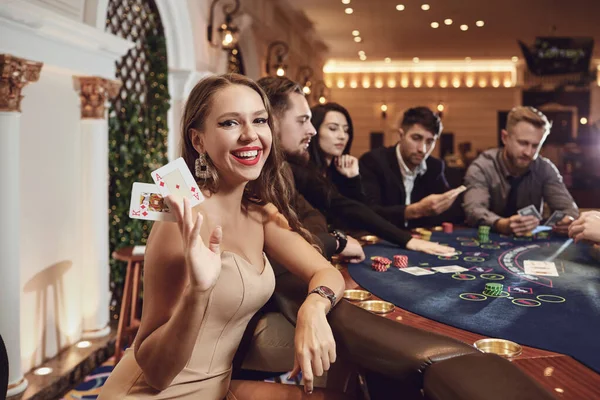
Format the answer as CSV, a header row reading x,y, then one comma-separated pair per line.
x,y
239,293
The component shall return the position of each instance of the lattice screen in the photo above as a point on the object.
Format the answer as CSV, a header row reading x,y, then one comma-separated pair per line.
x,y
133,20
137,122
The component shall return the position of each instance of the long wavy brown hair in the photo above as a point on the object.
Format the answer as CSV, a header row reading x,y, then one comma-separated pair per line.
x,y
272,186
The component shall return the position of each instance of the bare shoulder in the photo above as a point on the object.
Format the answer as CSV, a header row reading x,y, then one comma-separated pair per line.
x,y
269,213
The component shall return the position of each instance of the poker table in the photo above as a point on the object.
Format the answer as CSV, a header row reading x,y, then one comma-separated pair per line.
x,y
555,318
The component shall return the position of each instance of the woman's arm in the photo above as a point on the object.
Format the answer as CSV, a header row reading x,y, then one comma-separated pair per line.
x,y
172,312
314,343
180,272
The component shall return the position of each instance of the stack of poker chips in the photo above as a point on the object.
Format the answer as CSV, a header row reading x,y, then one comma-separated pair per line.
x,y
425,234
400,261
484,234
381,264
493,289
448,227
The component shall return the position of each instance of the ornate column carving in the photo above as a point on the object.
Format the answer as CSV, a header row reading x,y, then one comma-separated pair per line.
x,y
15,73
94,93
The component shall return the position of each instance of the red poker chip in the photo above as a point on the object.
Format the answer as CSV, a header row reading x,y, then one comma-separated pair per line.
x,y
379,267
382,260
400,261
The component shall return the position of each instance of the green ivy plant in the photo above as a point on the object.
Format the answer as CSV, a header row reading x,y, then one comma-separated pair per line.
x,y
137,145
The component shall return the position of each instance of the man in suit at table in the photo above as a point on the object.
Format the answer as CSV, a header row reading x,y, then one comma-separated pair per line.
x,y
404,183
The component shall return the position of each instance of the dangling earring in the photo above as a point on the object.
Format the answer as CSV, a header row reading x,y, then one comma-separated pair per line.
x,y
201,167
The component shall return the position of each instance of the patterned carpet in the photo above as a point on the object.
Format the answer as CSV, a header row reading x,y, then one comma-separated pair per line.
x,y
90,388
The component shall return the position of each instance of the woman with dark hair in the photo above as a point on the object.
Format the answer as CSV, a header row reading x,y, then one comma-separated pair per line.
x,y
330,152
207,275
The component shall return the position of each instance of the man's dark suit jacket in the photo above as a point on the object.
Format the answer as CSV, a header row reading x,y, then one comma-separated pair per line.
x,y
384,188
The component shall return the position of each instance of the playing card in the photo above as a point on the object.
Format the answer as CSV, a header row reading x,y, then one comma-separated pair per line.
x,y
148,203
449,268
416,271
458,190
176,179
543,268
554,218
530,210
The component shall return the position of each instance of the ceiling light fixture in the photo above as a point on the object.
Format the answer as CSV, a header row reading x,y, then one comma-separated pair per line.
x,y
515,59
448,21
464,27
346,1
416,60
435,25
425,7
400,7
479,23
388,60
357,39
355,33
349,10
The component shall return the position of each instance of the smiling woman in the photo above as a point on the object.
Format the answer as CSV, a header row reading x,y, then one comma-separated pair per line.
x,y
208,274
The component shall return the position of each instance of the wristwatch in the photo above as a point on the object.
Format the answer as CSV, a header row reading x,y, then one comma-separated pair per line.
x,y
325,292
342,240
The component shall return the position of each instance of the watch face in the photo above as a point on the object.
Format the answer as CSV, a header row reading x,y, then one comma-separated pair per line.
x,y
326,291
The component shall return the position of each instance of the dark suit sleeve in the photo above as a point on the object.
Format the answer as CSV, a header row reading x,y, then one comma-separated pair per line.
x,y
357,215
373,178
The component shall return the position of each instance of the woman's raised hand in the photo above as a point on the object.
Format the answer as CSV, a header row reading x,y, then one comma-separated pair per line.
x,y
203,263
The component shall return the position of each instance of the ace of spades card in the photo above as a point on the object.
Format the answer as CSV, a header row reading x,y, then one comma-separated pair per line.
x,y
176,179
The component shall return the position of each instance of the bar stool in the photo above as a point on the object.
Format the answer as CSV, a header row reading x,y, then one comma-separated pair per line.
x,y
128,320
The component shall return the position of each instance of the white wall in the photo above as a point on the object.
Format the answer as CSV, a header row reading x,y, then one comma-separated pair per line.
x,y
50,217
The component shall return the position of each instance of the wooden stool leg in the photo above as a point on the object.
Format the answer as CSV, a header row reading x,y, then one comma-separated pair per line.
x,y
137,271
123,317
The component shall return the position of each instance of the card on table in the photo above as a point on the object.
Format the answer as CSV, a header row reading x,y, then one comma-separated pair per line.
x,y
555,217
530,210
148,203
543,268
449,268
541,228
416,271
176,179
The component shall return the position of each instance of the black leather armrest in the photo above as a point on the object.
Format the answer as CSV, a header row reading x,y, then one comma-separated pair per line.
x,y
480,376
371,341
